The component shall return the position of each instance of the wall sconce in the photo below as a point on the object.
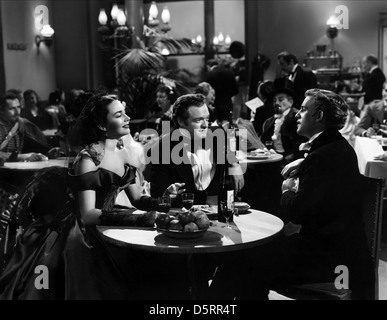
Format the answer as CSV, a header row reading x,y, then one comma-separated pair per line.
x,y
46,36
332,30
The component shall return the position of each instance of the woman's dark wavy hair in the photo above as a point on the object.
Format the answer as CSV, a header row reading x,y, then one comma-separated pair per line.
x,y
334,107
93,116
168,90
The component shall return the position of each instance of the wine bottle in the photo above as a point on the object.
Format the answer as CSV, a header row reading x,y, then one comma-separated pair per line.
x,y
232,134
226,192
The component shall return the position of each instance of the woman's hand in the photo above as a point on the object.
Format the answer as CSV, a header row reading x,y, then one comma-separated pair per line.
x,y
291,169
175,189
382,157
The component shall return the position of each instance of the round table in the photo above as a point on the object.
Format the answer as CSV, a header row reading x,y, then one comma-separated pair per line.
x,y
250,160
249,230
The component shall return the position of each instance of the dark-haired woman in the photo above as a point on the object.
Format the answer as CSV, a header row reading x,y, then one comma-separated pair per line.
x,y
80,263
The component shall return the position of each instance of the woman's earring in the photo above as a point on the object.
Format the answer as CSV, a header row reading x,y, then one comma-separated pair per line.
x,y
101,128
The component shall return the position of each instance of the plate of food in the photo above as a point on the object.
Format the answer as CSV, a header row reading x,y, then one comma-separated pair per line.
x,y
258,154
242,207
186,225
183,234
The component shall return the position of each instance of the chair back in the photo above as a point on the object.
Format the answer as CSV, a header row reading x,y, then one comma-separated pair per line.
x,y
372,216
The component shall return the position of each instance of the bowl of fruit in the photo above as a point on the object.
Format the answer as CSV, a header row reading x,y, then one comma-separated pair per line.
x,y
187,224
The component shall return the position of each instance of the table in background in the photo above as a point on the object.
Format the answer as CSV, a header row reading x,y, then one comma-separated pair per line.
x,y
249,231
18,173
366,149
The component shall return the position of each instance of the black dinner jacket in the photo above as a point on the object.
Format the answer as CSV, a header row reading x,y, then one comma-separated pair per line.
x,y
303,80
163,175
327,203
373,85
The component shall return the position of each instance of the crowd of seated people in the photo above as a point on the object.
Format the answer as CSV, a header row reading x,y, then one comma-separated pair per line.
x,y
96,130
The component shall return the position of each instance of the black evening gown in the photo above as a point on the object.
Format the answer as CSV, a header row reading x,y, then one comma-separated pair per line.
x,y
80,264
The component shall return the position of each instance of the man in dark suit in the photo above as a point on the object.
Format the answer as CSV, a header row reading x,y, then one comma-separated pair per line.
x,y
189,154
225,85
321,204
303,79
373,79
374,114
20,139
281,128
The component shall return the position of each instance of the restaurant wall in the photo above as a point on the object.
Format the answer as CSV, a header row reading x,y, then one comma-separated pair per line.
x,y
297,26
77,53
25,66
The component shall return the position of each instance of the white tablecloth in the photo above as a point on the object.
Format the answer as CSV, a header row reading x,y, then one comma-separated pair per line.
x,y
366,149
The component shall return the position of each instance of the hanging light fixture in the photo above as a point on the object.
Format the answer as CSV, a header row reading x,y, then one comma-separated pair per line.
x,y
117,28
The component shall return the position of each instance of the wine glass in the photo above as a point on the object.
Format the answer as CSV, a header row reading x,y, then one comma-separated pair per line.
x,y
227,209
164,204
188,200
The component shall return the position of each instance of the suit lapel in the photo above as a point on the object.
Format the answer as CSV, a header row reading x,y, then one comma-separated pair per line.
x,y
379,112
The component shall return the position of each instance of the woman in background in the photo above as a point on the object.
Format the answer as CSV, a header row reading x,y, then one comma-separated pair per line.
x,y
33,111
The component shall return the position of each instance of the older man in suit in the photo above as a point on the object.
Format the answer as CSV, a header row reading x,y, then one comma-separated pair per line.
x,y
303,79
373,116
20,139
374,79
281,128
323,197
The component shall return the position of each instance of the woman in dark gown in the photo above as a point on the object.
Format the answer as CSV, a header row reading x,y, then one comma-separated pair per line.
x,y
80,264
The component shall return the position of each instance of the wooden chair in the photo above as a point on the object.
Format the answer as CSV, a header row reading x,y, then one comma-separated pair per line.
x,y
45,193
372,215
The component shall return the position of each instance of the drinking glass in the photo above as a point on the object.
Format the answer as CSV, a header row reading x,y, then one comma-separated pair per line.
x,y
269,144
188,200
227,209
164,204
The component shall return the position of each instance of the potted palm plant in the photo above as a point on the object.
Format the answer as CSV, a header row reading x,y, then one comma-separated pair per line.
x,y
142,69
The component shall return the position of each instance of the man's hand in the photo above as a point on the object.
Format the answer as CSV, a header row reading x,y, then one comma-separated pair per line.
x,y
55,153
370,132
290,184
174,189
291,169
239,182
34,157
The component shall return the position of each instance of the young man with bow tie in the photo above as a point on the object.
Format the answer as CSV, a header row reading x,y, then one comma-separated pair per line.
x,y
182,158
324,199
